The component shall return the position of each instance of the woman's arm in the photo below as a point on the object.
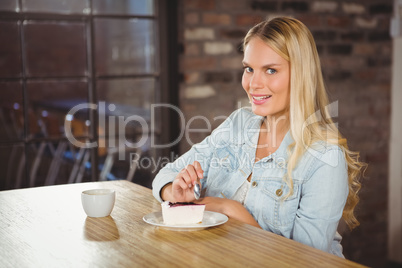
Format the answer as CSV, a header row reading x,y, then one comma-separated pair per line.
x,y
167,175
201,152
230,208
322,201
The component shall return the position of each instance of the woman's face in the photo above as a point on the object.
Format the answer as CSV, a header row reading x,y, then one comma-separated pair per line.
x,y
266,79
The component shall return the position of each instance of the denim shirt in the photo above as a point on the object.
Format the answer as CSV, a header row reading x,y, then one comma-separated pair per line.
x,y
320,181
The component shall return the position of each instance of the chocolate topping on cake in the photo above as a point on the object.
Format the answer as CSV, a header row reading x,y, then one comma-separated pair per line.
x,y
182,204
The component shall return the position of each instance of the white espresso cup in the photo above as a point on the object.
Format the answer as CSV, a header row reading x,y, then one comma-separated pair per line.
x,y
98,202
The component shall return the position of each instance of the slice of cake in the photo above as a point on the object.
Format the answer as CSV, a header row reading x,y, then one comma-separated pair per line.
x,y
182,213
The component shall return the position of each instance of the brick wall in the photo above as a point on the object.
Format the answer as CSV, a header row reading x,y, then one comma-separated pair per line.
x,y
355,49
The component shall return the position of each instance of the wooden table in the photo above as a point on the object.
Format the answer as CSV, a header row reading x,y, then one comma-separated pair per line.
x,y
47,227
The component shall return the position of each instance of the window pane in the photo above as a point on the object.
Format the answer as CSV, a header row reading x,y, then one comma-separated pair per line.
x,y
66,6
124,46
11,111
9,5
128,7
10,51
48,104
132,93
55,49
126,102
125,127
12,166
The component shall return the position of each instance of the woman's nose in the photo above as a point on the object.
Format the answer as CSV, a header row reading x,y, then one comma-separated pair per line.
x,y
256,81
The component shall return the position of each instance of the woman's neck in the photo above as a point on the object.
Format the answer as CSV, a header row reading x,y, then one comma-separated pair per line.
x,y
275,127
272,132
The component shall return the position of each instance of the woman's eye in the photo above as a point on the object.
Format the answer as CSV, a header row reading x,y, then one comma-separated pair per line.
x,y
271,71
248,69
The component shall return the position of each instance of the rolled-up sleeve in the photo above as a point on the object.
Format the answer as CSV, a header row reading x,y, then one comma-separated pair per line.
x,y
322,201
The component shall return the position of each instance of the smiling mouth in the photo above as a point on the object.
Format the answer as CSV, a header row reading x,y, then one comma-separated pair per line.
x,y
259,98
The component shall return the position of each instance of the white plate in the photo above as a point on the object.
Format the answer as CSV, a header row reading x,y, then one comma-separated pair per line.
x,y
210,219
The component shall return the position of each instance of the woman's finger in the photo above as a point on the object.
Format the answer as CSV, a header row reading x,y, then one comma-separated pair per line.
x,y
185,175
180,181
198,169
192,173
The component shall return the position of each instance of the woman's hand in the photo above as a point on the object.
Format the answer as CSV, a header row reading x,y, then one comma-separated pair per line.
x,y
230,208
182,187
216,204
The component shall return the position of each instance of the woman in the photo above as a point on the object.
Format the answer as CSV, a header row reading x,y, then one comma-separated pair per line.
x,y
283,165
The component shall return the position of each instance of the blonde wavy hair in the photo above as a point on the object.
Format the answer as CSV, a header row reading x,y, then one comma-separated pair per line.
x,y
310,120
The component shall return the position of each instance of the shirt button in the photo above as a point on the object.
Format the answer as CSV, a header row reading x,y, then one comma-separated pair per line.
x,y
254,184
279,192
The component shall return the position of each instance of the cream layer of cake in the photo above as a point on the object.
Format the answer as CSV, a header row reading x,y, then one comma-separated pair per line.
x,y
182,213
